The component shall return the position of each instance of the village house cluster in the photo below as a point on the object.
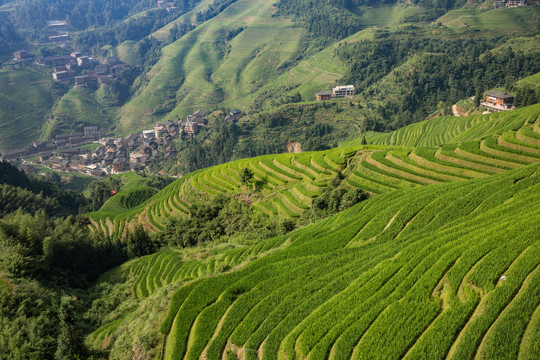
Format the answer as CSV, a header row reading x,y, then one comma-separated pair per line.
x,y
78,69
339,91
84,70
115,154
167,5
63,146
509,3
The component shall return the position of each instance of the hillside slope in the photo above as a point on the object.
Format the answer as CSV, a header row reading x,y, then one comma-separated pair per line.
x,y
247,54
25,100
448,270
449,129
287,184
204,65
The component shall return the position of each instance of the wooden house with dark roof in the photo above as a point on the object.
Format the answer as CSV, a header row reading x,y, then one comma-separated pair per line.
x,y
498,101
324,95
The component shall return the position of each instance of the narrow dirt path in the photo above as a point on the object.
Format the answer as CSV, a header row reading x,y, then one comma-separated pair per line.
x,y
455,110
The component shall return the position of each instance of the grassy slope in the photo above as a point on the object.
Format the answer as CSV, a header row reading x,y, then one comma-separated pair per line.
x,y
390,15
254,56
25,101
408,273
449,129
322,70
70,181
189,17
246,68
78,108
502,20
383,289
287,183
129,202
211,72
127,51
525,44
530,81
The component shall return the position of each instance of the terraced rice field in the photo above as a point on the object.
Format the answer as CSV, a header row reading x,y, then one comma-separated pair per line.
x,y
503,20
450,270
442,264
25,100
203,62
449,129
286,184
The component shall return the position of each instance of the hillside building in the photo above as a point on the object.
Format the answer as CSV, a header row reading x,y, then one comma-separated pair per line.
x,y
498,101
324,95
83,61
234,116
72,66
59,38
62,75
515,3
119,165
198,118
14,154
105,80
191,128
81,81
22,55
149,134
92,132
160,131
59,69
56,25
54,60
343,91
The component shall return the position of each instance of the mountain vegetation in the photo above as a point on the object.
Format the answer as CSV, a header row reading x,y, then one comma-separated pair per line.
x,y
432,258
26,97
376,226
426,252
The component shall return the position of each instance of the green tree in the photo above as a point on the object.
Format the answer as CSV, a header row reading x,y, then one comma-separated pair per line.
x,y
70,342
478,96
246,176
138,243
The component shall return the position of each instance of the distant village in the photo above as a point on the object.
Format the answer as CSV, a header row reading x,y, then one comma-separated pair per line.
x,y
79,69
115,154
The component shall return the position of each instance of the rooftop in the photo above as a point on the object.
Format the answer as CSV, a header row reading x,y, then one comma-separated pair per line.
x,y
56,22
344,87
324,92
499,94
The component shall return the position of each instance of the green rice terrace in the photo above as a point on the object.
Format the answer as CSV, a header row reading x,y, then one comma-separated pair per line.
x,y
441,271
442,263
25,100
442,150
